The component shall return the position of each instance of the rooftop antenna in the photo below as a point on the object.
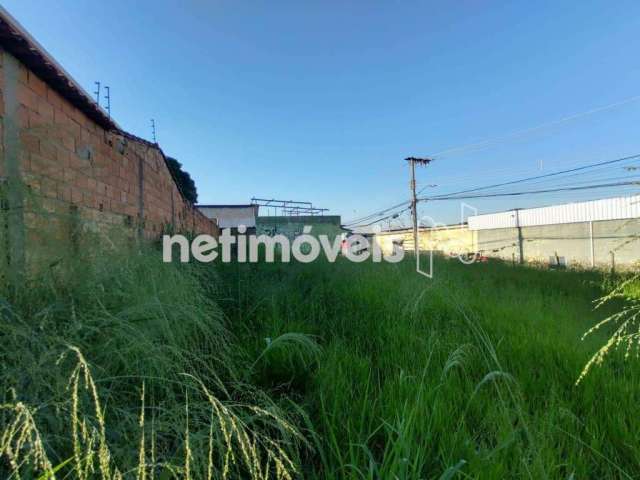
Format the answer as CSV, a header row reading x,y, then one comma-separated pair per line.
x,y
107,97
153,130
97,92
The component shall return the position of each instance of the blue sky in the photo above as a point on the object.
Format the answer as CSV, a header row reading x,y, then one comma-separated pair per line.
x,y
321,101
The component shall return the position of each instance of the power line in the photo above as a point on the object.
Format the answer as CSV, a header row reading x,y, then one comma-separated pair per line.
x,y
393,215
537,177
379,218
608,173
495,175
412,161
606,179
522,132
446,196
530,192
376,214
595,172
582,179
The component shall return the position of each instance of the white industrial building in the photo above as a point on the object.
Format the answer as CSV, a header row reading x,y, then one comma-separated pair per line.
x,y
592,211
593,233
598,233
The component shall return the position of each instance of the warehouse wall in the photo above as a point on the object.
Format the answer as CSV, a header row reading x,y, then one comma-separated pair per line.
x,y
65,169
571,241
448,240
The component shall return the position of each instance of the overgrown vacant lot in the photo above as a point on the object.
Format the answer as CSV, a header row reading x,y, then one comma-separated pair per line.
x,y
122,365
472,373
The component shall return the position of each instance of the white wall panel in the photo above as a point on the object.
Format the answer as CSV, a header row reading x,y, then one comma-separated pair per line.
x,y
607,209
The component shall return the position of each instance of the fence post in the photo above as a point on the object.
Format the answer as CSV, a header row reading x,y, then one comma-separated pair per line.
x,y
15,188
520,239
593,258
613,261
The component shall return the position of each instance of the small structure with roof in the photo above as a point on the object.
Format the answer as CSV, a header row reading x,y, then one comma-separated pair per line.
x,y
232,216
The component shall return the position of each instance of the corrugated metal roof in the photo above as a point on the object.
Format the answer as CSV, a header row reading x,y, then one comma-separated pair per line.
x,y
595,210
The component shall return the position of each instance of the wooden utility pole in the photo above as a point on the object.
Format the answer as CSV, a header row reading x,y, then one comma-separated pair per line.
x,y
414,200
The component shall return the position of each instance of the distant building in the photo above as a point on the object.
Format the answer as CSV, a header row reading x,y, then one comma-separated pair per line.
x,y
232,216
594,233
292,226
445,239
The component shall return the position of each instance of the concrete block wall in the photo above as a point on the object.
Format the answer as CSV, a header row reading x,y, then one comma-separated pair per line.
x,y
68,163
452,240
615,242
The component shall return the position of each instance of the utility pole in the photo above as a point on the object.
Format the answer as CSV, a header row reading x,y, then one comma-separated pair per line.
x,y
414,201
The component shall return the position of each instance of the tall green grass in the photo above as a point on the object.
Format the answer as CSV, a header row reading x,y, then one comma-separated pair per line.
x,y
115,365
470,375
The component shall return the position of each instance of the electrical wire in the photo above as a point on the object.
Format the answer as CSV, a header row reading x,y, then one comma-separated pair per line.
x,y
529,192
491,175
391,215
526,131
372,218
373,215
537,177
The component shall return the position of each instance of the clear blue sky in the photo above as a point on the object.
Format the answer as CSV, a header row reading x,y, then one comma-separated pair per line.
x,y
321,101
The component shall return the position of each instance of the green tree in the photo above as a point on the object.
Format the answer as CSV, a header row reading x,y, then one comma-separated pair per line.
x,y
182,178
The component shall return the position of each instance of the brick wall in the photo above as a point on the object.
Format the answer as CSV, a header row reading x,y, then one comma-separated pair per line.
x,y
68,163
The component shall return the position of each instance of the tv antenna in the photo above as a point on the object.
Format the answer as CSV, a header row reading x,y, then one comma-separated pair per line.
x,y
97,92
107,97
153,130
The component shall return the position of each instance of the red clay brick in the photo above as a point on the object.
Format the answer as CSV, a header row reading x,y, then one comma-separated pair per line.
x,y
30,142
54,98
48,150
37,85
23,116
27,97
56,131
23,75
69,176
76,195
45,109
